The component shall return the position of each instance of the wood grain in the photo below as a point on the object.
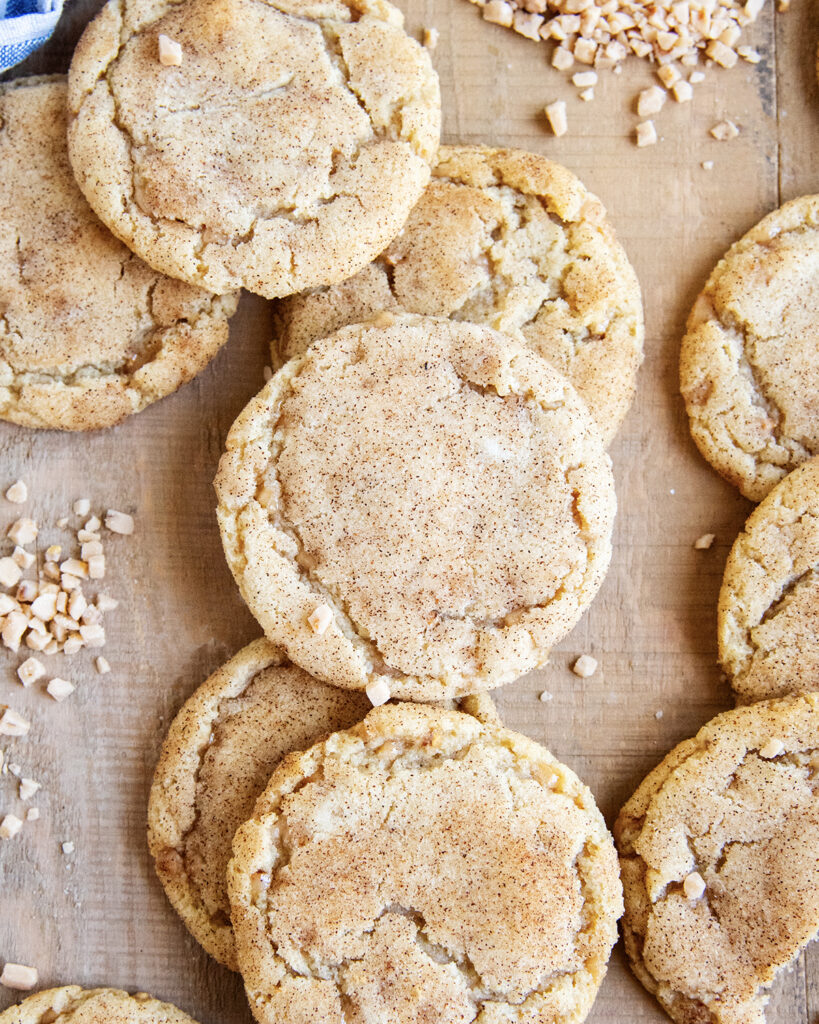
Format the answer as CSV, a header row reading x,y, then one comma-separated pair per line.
x,y
100,916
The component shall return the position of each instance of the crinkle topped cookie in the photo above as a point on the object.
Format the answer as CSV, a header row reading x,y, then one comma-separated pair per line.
x,y
769,602
273,144
749,365
217,758
512,240
417,505
74,1005
88,332
423,867
718,851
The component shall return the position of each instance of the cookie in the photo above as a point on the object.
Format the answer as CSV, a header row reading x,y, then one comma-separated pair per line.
x,y
432,527
718,858
88,333
768,624
509,239
423,867
282,149
749,364
218,756
92,1006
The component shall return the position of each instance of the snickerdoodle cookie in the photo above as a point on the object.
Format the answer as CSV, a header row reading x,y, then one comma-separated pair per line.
x,y
417,505
74,1005
218,756
749,365
718,857
88,332
512,240
423,866
273,144
769,602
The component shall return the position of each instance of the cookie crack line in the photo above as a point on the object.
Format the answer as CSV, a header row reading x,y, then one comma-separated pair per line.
x,y
477,990
322,589
286,211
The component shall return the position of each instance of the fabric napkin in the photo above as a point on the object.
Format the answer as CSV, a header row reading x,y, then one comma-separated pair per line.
x,y
25,25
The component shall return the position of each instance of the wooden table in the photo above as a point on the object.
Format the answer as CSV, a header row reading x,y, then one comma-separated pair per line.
x,y
99,916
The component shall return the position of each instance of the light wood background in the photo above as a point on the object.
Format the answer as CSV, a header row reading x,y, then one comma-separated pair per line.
x,y
100,916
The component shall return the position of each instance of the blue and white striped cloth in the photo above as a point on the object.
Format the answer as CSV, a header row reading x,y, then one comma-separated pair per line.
x,y
25,25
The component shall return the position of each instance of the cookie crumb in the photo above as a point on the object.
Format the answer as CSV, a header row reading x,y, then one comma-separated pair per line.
x,y
10,572
545,696
23,531
725,130
750,54
82,506
59,689
696,77
170,52
587,95
650,101
585,666
556,116
668,75
682,92
431,37
584,79
67,847
12,724
498,12
28,787
707,165
30,671
646,134
694,885
320,619
24,559
562,59
102,666
772,748
704,542
119,522
10,826
19,977
17,493
378,692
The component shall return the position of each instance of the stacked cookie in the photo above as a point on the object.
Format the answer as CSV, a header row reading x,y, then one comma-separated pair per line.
x,y
718,844
417,506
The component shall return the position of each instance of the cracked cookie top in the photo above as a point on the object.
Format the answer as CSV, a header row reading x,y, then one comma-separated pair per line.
x,y
423,867
718,860
432,491
88,332
217,758
282,151
749,364
512,240
768,625
92,1006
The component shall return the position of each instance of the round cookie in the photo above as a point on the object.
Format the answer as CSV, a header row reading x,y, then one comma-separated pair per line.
x,y
718,860
283,151
449,511
88,333
768,622
749,364
219,754
77,1005
423,867
512,240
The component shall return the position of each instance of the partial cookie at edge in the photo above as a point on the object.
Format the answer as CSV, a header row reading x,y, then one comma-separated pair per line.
x,y
512,240
749,362
329,145
90,1006
768,620
88,333
454,544
720,836
435,863
217,758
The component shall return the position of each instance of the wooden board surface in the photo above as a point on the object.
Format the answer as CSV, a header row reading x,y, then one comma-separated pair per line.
x,y
100,916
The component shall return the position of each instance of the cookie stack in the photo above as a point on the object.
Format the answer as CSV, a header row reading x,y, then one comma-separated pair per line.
x,y
416,507
718,845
